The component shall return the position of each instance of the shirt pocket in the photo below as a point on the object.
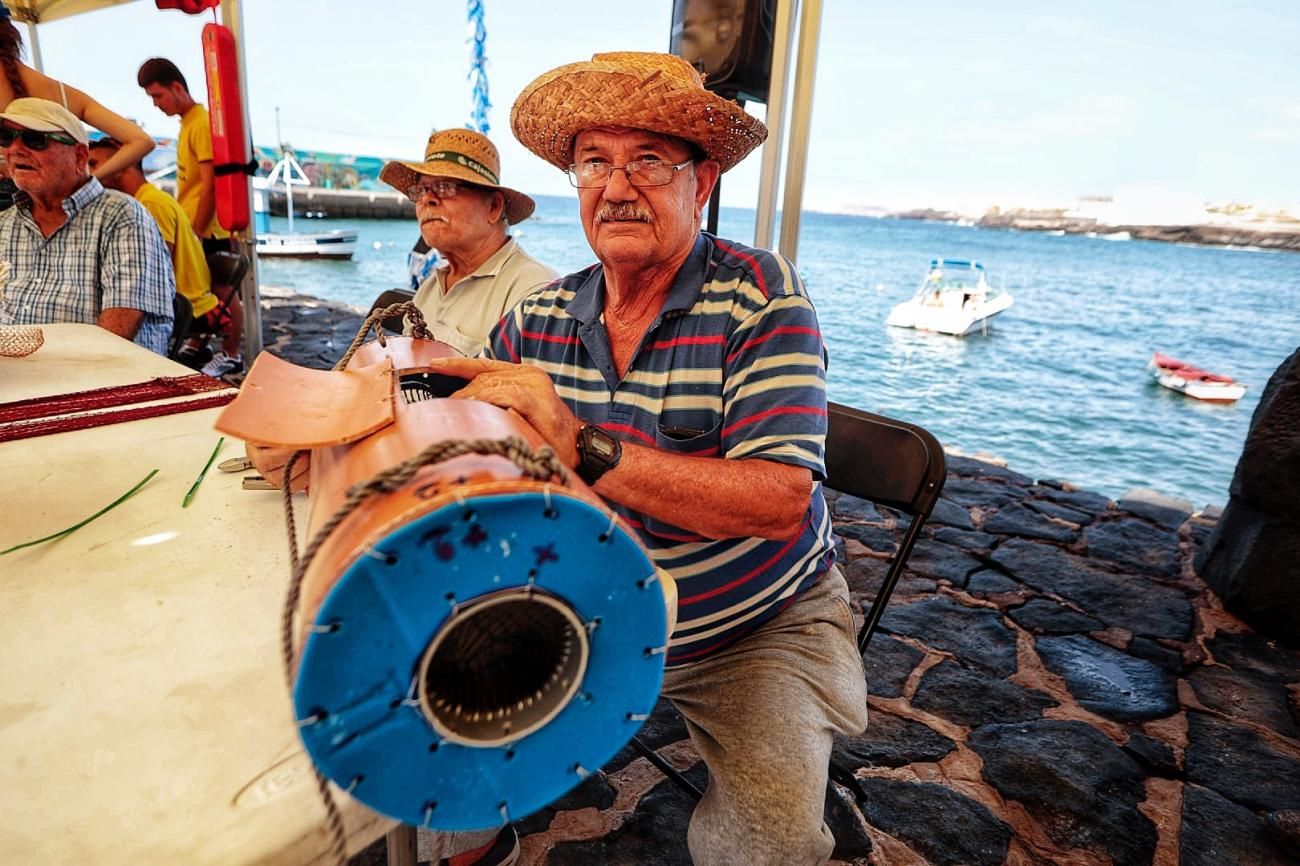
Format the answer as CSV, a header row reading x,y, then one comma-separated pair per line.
x,y
698,434
457,339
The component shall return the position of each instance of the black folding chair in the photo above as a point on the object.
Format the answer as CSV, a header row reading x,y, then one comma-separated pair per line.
x,y
891,463
226,268
392,296
182,315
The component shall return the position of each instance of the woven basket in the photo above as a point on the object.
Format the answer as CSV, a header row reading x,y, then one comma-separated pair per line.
x,y
19,341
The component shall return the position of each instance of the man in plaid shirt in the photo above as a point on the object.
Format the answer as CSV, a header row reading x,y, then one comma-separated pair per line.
x,y
76,252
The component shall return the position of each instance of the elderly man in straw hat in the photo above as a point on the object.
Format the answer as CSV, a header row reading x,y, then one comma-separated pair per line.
x,y
683,378
464,214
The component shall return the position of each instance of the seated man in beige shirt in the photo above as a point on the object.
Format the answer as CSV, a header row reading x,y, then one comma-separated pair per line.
x,y
464,214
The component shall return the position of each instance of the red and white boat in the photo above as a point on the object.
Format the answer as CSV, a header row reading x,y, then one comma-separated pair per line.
x,y
1195,382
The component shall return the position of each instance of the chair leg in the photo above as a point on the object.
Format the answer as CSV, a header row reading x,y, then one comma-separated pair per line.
x,y
667,769
401,845
846,779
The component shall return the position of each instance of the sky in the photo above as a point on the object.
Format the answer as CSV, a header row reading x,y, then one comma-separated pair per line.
x,y
927,103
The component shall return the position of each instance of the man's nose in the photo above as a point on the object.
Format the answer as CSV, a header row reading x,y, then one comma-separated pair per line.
x,y
620,187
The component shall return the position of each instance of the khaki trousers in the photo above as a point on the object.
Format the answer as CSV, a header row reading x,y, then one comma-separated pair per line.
x,y
762,714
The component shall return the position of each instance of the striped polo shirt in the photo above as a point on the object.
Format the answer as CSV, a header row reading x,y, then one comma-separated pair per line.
x,y
732,367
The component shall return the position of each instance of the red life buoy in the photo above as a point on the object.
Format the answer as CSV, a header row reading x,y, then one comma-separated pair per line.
x,y
230,145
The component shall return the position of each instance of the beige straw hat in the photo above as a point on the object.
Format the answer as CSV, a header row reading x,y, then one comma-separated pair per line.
x,y
460,154
639,90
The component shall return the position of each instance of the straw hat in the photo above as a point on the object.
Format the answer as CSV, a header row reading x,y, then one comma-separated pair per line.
x,y
460,154
640,90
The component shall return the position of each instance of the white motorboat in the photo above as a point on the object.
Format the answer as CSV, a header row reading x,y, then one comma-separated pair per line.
x,y
337,244
308,245
1194,382
953,298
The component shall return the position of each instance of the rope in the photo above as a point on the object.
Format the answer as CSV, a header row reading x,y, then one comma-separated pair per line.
x,y
375,321
161,388
63,423
338,837
539,465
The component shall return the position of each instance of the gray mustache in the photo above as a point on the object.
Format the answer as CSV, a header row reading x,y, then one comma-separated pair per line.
x,y
622,211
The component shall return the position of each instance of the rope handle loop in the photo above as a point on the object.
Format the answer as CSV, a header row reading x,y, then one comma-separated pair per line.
x,y
375,321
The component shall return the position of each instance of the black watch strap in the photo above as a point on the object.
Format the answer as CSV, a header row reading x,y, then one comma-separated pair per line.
x,y
598,452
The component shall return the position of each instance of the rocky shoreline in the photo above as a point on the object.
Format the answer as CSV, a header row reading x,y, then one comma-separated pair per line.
x,y
1268,238
1052,684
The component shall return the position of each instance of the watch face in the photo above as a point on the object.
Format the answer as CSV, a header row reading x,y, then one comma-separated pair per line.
x,y
602,447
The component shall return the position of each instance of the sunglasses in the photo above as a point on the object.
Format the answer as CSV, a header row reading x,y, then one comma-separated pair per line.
x,y
32,139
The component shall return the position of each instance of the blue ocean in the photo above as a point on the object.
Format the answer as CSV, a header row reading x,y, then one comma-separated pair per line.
x,y
1057,387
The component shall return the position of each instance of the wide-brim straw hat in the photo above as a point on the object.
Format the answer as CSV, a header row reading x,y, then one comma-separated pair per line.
x,y
460,154
639,90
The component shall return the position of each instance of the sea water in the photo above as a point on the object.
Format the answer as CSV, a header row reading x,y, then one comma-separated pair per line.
x,y
1058,386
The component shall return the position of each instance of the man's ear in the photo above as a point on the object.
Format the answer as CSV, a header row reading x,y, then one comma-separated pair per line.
x,y
706,176
497,210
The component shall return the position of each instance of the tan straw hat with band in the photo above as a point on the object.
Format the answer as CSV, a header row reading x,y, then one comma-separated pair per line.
x,y
460,154
640,90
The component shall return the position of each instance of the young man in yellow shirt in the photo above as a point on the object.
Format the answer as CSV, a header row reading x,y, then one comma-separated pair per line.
x,y
190,265
196,190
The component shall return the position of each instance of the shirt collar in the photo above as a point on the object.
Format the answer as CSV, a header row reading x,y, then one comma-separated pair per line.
x,y
589,298
74,203
83,195
492,264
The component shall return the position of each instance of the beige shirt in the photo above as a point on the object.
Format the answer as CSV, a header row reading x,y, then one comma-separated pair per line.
x,y
463,317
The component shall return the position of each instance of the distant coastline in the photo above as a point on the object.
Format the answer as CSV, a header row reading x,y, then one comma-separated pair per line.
x,y
1271,236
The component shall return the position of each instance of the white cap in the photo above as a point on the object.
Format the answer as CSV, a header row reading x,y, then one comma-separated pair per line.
x,y
31,112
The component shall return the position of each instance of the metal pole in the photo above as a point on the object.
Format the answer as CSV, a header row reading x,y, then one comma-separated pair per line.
x,y
35,41
231,16
810,22
778,85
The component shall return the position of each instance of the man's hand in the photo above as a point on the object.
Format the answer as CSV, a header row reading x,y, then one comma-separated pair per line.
x,y
523,388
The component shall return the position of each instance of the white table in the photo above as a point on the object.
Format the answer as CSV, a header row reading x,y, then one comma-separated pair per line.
x,y
144,715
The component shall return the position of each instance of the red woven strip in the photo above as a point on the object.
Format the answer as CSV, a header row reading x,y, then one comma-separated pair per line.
x,y
103,398
29,429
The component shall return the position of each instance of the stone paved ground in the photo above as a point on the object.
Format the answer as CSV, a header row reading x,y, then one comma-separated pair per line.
x,y
1051,684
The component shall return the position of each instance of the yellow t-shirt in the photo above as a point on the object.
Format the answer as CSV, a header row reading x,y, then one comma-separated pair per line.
x,y
194,147
192,277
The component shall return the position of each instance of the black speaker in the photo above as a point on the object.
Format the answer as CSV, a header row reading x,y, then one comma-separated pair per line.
x,y
729,41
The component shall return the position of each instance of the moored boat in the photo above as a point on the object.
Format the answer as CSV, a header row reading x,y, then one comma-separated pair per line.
x,y
954,297
337,244
1195,382
308,245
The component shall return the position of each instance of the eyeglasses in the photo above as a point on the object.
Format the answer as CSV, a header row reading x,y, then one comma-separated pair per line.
x,y
436,188
32,139
640,172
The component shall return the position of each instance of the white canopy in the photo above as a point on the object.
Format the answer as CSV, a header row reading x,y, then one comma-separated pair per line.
x,y
39,11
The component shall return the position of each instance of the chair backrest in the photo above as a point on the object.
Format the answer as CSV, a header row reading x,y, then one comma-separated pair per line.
x,y
891,463
182,316
228,268
388,298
